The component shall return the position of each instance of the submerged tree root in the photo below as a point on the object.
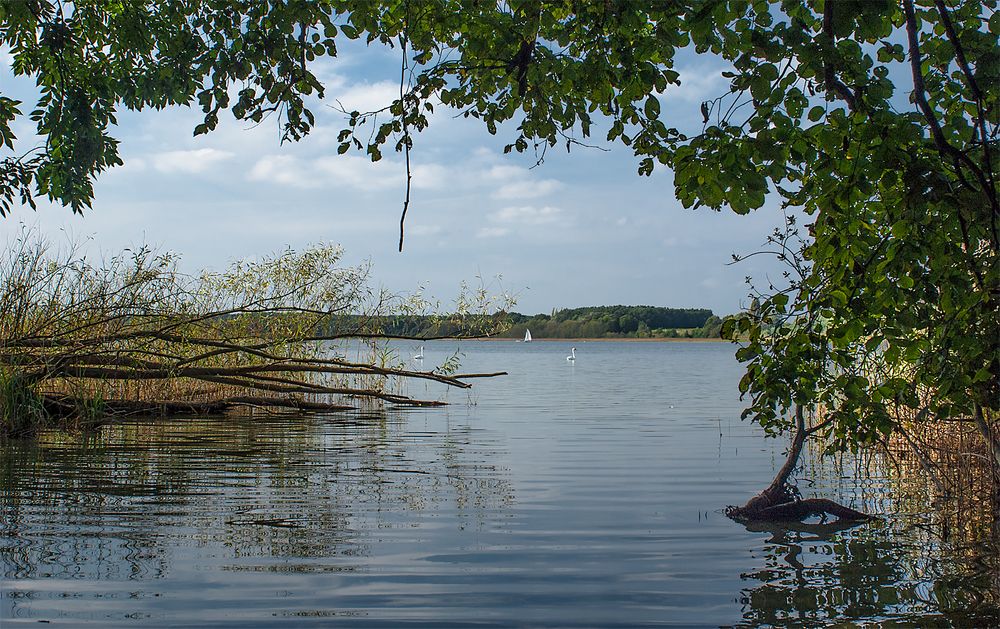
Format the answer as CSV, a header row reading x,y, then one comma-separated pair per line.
x,y
796,510
781,501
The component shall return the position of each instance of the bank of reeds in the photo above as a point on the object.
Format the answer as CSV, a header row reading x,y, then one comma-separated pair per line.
x,y
953,459
132,335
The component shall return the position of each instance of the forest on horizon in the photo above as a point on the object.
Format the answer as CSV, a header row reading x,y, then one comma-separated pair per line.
x,y
569,323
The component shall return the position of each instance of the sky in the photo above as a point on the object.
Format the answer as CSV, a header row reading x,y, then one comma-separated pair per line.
x,y
580,229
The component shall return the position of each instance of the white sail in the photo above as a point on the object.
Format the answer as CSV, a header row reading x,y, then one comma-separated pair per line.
x,y
527,336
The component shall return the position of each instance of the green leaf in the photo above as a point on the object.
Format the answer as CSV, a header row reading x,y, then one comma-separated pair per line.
x,y
652,107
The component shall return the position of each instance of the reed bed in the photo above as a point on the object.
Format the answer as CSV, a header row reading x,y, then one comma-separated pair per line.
x,y
132,335
954,460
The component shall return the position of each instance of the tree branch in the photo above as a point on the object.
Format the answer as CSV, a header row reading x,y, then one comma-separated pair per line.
x,y
920,95
977,94
832,82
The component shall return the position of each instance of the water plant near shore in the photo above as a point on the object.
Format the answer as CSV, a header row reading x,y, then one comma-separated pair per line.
x,y
135,335
22,409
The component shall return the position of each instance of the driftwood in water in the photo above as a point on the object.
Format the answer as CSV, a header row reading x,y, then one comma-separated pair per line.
x,y
781,500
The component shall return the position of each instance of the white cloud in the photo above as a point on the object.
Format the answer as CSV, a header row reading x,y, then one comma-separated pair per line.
x,y
194,161
431,176
366,97
282,169
359,172
699,82
515,182
529,215
132,165
501,173
492,232
527,189
424,230
352,171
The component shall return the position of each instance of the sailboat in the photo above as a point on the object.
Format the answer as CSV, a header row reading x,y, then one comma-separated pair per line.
x,y
527,335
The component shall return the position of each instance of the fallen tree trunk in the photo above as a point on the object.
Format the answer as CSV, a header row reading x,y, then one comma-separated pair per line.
x,y
781,501
66,407
83,345
802,509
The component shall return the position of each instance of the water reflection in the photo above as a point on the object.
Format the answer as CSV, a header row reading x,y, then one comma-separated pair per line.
x,y
120,504
815,574
584,497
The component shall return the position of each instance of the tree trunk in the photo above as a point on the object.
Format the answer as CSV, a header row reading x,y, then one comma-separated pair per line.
x,y
781,501
65,407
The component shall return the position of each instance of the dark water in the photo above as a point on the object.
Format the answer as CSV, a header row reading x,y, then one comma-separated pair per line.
x,y
586,494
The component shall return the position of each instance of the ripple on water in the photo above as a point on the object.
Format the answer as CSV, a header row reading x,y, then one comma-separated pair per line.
x,y
561,495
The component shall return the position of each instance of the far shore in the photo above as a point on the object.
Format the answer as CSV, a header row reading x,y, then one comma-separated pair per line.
x,y
600,340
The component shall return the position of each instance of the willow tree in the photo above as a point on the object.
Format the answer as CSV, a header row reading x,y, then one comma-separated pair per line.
x,y
875,119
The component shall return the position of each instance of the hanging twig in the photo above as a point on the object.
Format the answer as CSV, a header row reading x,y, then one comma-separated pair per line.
x,y
406,130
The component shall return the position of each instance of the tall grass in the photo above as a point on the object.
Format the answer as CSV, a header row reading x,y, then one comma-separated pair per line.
x,y
133,334
22,409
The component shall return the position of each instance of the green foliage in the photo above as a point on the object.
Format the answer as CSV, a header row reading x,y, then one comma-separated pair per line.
x,y
891,299
652,316
611,322
21,407
450,365
587,322
134,335
712,329
890,307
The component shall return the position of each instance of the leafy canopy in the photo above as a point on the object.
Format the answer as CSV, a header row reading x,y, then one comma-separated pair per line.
x,y
877,119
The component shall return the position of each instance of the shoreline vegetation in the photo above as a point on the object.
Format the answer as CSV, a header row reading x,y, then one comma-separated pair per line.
x,y
605,339
586,323
82,344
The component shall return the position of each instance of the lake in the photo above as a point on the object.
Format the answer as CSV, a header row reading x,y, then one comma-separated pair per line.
x,y
566,494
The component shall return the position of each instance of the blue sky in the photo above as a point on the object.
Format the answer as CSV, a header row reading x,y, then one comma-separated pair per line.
x,y
581,229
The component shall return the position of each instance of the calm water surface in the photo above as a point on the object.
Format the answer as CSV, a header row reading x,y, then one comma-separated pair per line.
x,y
586,494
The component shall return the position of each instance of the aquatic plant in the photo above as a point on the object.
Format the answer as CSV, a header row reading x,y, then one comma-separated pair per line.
x,y
22,409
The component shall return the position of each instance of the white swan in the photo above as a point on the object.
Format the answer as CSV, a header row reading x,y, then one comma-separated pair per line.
x,y
572,355
420,356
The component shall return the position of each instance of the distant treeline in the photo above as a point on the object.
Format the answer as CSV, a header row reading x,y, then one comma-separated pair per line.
x,y
420,326
619,322
589,322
